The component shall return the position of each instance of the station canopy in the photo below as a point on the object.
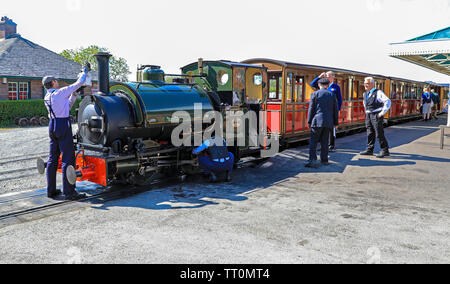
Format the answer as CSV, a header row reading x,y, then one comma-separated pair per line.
x,y
431,51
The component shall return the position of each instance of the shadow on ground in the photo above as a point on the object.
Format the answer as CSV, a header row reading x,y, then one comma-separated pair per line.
x,y
197,193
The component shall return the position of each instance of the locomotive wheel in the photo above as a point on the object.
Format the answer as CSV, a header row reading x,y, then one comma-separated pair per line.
x,y
43,121
23,122
40,166
190,170
34,121
71,175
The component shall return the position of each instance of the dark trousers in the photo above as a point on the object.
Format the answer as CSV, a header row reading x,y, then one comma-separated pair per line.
x,y
332,138
319,134
61,141
375,129
208,165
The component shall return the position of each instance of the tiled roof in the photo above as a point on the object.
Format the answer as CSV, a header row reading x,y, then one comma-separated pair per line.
x,y
20,57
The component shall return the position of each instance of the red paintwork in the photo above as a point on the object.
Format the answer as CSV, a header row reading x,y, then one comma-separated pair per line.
x,y
93,169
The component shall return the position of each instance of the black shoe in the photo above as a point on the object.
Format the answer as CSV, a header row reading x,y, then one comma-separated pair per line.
x,y
212,177
332,149
54,194
383,154
75,196
325,163
228,176
366,153
310,165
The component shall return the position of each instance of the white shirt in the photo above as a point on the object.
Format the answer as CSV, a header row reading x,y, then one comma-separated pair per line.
x,y
62,100
382,98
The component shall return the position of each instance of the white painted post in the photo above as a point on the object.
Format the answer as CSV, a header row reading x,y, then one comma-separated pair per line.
x,y
448,120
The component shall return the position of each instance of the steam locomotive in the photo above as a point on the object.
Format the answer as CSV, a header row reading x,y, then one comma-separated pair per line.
x,y
125,130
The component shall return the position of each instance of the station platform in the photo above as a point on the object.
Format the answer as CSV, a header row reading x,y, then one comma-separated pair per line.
x,y
357,210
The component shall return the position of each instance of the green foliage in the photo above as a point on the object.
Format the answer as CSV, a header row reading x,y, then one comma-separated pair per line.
x,y
119,69
9,110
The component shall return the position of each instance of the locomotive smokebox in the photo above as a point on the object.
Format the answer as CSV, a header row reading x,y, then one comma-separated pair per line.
x,y
103,71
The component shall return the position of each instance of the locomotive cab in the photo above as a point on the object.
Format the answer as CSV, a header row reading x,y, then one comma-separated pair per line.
x,y
236,84
240,87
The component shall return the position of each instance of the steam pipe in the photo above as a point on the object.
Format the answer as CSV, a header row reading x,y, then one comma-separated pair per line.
x,y
103,71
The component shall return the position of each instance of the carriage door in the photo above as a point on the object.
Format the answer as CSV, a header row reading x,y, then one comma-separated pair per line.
x,y
290,104
301,109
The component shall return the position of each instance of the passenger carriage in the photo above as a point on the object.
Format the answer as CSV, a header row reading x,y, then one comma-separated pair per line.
x,y
290,93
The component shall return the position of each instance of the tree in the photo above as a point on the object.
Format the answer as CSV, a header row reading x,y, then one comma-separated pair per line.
x,y
119,69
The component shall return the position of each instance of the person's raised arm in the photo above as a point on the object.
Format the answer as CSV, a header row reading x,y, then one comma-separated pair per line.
x,y
69,90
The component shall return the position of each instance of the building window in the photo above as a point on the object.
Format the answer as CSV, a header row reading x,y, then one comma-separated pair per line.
x,y
12,91
18,91
23,91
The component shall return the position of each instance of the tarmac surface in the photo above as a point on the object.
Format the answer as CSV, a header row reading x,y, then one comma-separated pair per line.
x,y
357,210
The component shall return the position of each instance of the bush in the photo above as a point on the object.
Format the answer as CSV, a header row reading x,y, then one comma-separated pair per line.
x,y
9,110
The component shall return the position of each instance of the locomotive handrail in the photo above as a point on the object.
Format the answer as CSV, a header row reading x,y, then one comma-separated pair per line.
x,y
190,76
163,84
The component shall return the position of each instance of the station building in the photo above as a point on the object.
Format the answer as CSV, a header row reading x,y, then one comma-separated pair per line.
x,y
431,51
23,64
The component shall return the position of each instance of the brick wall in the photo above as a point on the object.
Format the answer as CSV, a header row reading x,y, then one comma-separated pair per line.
x,y
3,91
36,89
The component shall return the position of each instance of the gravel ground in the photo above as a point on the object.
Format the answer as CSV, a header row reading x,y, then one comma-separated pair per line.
x,y
19,149
358,210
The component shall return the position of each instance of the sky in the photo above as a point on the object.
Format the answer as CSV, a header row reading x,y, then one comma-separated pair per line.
x,y
349,34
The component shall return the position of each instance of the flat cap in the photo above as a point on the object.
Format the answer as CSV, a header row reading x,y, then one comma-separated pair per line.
x,y
324,81
48,79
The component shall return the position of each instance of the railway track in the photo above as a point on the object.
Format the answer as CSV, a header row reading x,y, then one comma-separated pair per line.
x,y
43,204
17,215
12,160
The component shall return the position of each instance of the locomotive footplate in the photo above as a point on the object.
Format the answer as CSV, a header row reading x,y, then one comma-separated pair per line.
x,y
105,169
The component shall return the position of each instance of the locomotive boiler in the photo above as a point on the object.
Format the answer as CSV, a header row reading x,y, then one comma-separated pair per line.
x,y
123,115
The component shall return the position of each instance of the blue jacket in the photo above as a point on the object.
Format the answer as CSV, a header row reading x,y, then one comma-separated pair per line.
x,y
323,110
426,98
334,88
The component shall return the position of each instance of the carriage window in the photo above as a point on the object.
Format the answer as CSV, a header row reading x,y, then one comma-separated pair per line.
x,y
360,89
289,93
394,90
299,89
379,86
275,87
407,93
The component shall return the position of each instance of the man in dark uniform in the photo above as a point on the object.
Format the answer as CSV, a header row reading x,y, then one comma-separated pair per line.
x,y
336,90
58,103
377,104
216,158
323,116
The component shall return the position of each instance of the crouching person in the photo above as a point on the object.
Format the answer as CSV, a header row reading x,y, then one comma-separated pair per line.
x,y
215,159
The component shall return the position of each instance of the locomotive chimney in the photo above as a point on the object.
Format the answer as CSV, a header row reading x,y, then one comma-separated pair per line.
x,y
103,71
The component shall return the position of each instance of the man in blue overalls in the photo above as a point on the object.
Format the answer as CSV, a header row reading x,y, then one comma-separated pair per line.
x,y
58,103
217,158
